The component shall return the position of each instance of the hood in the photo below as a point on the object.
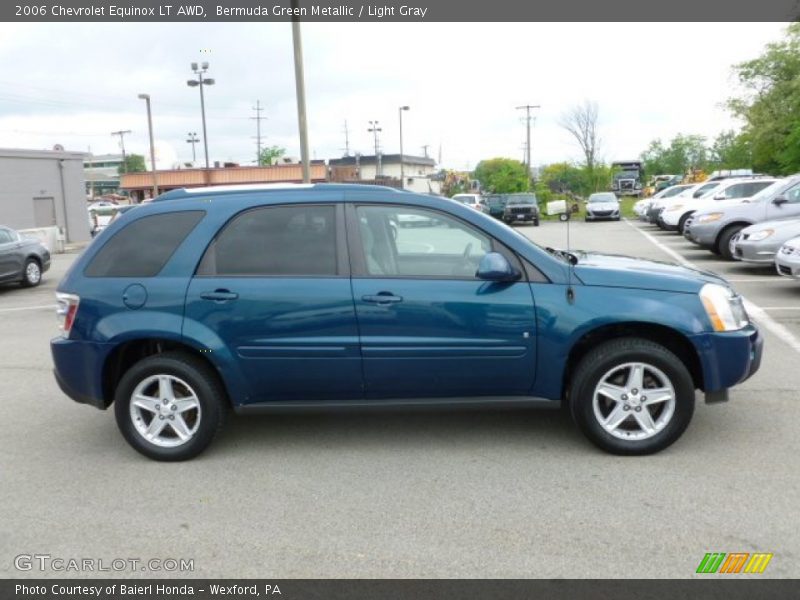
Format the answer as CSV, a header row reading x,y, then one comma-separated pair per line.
x,y
781,226
602,206
613,270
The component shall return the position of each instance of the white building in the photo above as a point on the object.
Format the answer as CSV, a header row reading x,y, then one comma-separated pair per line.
x,y
101,172
417,171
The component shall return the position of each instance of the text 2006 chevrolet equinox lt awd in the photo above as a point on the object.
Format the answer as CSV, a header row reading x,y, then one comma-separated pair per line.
x,y
295,297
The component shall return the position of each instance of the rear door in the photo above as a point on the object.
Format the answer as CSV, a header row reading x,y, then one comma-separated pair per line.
x,y
428,326
274,285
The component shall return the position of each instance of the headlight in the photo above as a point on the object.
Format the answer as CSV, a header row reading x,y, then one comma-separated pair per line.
x,y
761,235
676,207
724,308
715,216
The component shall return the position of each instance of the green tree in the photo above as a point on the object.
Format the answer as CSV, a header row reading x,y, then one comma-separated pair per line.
x,y
731,150
270,155
133,163
684,153
502,176
770,104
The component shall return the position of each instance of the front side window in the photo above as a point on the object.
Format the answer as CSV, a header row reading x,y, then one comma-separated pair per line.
x,y
297,240
5,236
411,242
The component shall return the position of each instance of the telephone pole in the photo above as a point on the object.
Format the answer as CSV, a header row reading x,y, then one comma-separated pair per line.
x,y
258,118
122,135
527,108
374,130
425,149
346,139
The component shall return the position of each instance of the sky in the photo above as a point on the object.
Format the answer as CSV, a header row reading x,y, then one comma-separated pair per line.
x,y
74,83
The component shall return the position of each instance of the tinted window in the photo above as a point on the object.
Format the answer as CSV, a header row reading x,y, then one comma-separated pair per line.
x,y
275,240
411,242
142,248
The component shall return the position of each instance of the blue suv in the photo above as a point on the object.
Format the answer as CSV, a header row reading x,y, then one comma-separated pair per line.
x,y
274,298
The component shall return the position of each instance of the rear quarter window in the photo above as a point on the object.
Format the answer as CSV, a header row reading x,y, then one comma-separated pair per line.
x,y
142,248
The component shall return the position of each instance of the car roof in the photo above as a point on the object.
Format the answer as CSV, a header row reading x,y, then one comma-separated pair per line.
x,y
217,190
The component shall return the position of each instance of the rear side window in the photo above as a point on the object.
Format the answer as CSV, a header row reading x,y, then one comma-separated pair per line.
x,y
275,241
143,247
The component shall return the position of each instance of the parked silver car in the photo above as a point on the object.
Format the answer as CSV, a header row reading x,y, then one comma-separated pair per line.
x,y
759,243
714,228
603,205
787,260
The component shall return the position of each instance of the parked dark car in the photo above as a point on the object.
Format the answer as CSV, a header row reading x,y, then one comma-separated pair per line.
x,y
521,208
305,297
22,259
496,204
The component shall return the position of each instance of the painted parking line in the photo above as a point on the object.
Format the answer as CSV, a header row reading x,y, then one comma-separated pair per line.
x,y
40,307
754,310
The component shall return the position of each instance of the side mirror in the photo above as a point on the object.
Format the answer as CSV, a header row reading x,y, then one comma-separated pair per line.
x,y
495,267
719,196
778,200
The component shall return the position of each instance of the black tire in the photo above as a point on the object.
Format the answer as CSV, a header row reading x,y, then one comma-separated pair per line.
x,y
563,217
724,240
31,273
202,380
604,358
536,222
682,222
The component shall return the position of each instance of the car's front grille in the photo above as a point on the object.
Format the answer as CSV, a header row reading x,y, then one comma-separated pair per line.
x,y
522,210
784,270
601,213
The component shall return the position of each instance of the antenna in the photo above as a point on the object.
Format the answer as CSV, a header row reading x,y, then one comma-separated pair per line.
x,y
570,263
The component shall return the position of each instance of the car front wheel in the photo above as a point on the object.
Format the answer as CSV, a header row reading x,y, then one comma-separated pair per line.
x,y
632,396
169,406
32,275
726,241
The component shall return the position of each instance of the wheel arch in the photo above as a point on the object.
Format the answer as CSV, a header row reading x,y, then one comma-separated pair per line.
x,y
738,223
670,338
128,353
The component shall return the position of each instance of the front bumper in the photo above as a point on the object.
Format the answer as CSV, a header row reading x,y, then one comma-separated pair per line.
x,y
754,252
511,217
78,368
611,215
787,265
704,234
728,358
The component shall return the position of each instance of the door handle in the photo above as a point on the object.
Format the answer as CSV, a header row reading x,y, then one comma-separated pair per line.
x,y
382,298
219,295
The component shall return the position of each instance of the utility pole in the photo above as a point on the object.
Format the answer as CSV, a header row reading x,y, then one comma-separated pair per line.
x,y
527,108
300,87
346,139
258,118
425,149
193,139
122,135
374,130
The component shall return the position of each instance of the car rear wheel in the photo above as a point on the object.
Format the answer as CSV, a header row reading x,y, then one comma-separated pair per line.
x,y
632,396
32,274
726,240
169,406
563,217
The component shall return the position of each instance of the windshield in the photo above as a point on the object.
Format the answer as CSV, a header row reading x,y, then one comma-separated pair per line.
x,y
522,199
627,175
673,191
602,198
495,201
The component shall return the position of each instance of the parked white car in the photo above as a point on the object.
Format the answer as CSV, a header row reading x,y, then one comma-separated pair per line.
x,y
787,259
473,201
729,191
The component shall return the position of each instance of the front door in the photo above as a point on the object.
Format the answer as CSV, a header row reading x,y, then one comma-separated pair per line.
x,y
274,285
790,208
428,326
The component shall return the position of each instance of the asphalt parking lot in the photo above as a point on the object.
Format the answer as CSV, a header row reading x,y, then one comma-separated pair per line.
x,y
475,494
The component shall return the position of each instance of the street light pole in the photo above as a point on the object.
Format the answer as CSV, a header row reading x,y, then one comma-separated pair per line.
x,y
202,81
146,98
402,163
192,140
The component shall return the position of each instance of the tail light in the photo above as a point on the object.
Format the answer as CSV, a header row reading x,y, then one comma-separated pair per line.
x,y
66,309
